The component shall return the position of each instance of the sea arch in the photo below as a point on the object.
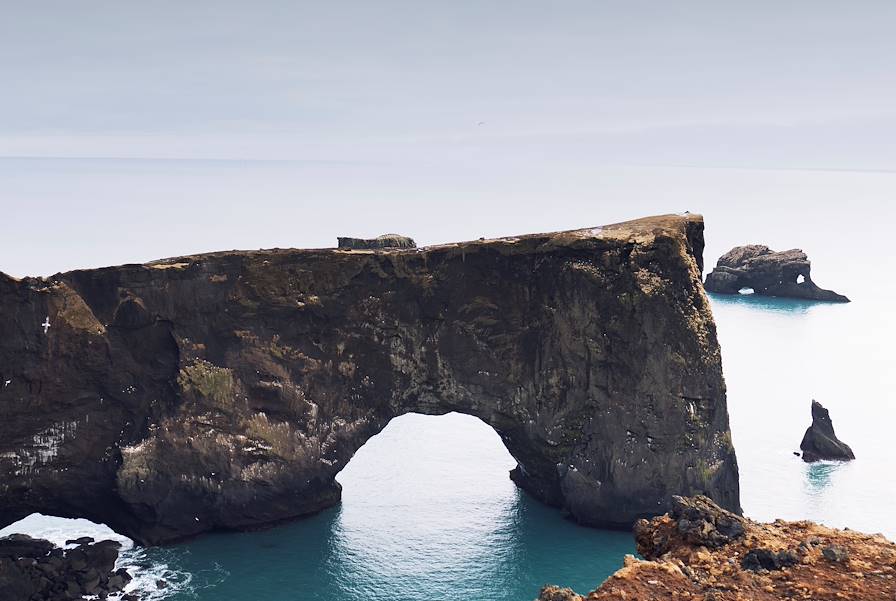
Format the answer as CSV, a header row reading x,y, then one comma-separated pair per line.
x,y
228,390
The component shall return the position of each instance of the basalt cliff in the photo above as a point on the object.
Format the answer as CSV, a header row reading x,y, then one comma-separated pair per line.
x,y
227,390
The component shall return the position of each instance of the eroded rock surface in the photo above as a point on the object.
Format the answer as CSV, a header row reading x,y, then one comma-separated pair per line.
x,y
785,273
227,390
761,562
820,442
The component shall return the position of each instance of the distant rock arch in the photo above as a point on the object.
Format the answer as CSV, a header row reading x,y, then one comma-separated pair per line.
x,y
769,273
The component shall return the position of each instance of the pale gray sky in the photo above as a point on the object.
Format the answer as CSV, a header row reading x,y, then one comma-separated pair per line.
x,y
338,80
373,109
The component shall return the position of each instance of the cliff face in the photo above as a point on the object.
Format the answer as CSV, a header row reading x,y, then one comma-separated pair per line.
x,y
227,390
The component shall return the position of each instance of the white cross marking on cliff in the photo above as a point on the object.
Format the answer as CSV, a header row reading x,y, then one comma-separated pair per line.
x,y
46,324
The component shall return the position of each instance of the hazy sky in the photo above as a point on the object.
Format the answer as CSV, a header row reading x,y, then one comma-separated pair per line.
x,y
443,119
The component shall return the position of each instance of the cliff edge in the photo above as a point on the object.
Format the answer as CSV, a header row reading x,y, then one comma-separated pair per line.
x,y
701,552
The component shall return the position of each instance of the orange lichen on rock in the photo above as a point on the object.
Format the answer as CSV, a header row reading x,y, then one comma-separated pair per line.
x,y
701,552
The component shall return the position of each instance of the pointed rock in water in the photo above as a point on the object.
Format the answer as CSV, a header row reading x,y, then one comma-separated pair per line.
x,y
820,442
769,273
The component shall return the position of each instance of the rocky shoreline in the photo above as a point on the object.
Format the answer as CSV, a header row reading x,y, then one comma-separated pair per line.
x,y
700,552
33,569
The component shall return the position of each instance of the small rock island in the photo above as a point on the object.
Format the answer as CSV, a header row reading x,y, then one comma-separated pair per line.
x,y
820,442
769,273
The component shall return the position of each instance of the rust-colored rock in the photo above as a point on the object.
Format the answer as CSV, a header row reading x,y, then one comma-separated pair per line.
x,y
767,562
227,390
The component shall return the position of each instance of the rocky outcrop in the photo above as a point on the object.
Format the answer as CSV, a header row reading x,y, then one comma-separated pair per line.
x,y
384,241
769,273
227,390
37,570
689,557
820,442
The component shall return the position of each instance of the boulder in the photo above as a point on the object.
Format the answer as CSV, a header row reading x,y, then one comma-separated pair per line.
x,y
384,241
769,273
15,546
766,559
820,442
698,521
36,569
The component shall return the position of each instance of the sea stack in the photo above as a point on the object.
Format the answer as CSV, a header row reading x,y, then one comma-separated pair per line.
x,y
820,442
768,273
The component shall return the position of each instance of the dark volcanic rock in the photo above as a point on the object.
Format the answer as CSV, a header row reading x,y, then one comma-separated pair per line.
x,y
384,241
227,390
820,442
835,554
766,559
769,273
22,545
699,522
35,569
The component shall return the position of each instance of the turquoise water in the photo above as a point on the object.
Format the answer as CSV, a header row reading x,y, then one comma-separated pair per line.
x,y
779,355
428,513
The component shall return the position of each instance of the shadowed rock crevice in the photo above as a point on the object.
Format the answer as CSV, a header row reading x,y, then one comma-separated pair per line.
x,y
227,390
766,272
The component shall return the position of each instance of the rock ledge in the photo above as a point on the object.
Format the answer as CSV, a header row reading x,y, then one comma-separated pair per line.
x,y
687,559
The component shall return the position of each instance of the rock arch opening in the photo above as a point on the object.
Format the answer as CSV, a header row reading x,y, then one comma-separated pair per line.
x,y
426,472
